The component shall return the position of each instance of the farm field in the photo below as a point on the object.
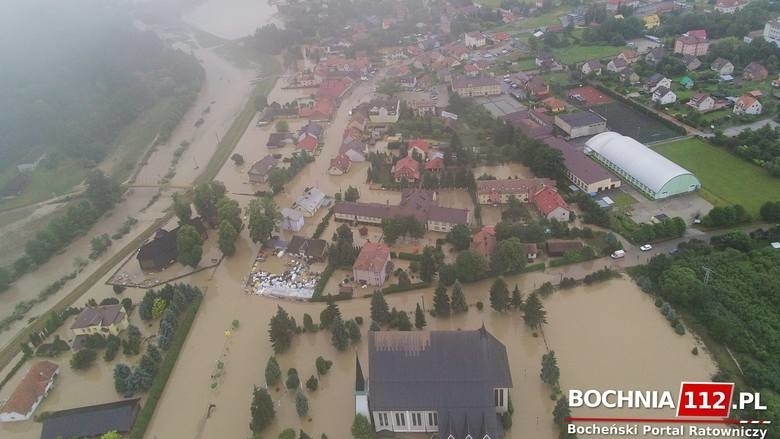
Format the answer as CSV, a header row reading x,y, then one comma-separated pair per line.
x,y
725,178
631,122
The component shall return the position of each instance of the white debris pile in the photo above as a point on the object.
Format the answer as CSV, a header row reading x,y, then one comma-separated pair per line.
x,y
297,282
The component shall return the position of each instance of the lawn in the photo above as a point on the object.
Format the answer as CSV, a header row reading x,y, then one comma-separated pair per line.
x,y
531,23
577,53
46,182
725,178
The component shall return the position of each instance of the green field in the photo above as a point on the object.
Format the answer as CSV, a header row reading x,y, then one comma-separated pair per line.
x,y
531,23
725,178
577,53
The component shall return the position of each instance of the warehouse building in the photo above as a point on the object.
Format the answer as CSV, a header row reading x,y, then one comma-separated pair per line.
x,y
651,173
586,174
581,123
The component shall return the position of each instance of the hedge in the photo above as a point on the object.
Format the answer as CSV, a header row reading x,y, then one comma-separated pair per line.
x,y
400,289
161,379
333,297
323,280
322,225
534,267
409,256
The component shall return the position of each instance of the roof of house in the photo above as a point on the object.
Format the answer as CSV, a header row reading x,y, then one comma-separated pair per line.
x,y
561,246
407,163
160,250
263,166
279,139
313,248
537,85
484,241
688,59
372,257
308,143
699,33
479,81
698,98
548,199
419,203
31,388
453,372
311,199
101,315
593,64
91,421
578,163
434,164
421,144
582,118
619,62
554,102
341,162
745,101
662,91
756,69
528,126
655,78
291,214
514,186
719,63
312,128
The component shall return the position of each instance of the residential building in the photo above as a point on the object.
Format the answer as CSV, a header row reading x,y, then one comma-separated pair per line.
x,y
554,104
664,96
628,75
701,102
310,202
354,148
384,111
655,55
310,129
454,383
407,168
258,173
484,241
591,67
729,6
772,31
292,219
692,43
755,72
471,70
617,65
408,81
279,140
687,82
652,21
372,264
339,165
657,80
629,56
474,40
531,251
499,191
30,392
583,172
747,104
581,123
158,252
419,146
418,203
310,248
479,86
691,62
435,164
722,66
551,205
92,421
537,87
559,247
651,173
101,319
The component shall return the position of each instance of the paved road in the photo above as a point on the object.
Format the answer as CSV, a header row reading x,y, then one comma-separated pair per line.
x,y
733,131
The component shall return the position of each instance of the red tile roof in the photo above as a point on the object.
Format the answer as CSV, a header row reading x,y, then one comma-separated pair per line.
x,y
408,168
423,145
341,162
372,257
548,199
32,387
309,143
323,109
434,164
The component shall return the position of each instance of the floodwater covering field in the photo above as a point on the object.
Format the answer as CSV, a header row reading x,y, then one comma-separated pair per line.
x,y
630,122
230,19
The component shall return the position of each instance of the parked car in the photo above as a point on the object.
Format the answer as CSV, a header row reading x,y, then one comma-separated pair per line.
x,y
646,247
617,254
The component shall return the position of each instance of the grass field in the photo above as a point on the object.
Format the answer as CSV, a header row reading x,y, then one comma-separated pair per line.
x,y
725,178
531,23
577,53
46,182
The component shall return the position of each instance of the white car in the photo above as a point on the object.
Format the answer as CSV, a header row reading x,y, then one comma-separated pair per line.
x,y
646,247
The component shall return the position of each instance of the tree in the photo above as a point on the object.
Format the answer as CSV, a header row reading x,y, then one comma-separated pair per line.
x,y
121,374
227,238
189,245
261,226
111,435
400,320
403,279
770,211
419,318
322,365
182,208
459,237
329,314
458,304
535,315
508,257
229,210
352,194
237,158
550,372
499,295
287,433
301,403
517,299
362,428
282,126
83,359
343,253
262,410
353,330
312,383
380,312
430,261
340,336
561,411
103,192
292,381
273,373
281,330
441,302
159,307
470,266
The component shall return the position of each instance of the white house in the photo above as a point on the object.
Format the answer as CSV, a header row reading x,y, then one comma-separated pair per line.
x,y
28,395
747,104
772,31
310,202
664,96
474,40
701,102
592,67
292,219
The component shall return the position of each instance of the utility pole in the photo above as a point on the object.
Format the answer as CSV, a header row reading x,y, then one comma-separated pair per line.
x,y
707,274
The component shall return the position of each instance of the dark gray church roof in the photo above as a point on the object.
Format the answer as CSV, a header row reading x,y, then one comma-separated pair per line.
x,y
91,421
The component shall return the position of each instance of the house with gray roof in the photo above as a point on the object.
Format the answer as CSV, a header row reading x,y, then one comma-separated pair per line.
x,y
581,123
454,383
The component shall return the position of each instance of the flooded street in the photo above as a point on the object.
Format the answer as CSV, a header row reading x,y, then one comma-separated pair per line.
x,y
230,19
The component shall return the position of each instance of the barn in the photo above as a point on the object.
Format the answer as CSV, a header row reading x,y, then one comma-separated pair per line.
x,y
651,173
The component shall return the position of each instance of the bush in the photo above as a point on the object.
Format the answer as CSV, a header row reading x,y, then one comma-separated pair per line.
x,y
397,288
292,382
323,365
288,433
83,359
480,305
301,404
312,383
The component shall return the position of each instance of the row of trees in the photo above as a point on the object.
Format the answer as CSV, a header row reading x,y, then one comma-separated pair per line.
x,y
761,146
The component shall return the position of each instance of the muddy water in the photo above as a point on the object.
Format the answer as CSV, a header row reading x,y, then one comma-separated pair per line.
x,y
504,170
605,335
230,19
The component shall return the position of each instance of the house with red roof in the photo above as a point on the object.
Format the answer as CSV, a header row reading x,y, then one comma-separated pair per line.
x,y
309,143
372,264
484,241
29,393
323,109
551,205
407,168
435,164
747,104
419,146
339,165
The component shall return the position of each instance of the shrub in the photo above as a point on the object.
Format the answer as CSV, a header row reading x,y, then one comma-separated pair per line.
x,y
312,383
292,381
323,365
288,433
480,305
83,359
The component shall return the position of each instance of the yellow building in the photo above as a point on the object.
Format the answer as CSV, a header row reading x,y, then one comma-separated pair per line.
x,y
103,320
652,21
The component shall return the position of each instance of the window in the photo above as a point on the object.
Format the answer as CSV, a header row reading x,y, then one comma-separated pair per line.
x,y
383,419
400,419
433,419
498,397
417,419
